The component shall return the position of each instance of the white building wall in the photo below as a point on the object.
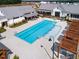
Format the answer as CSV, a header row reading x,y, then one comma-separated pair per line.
x,y
62,14
56,10
1,14
12,21
0,24
2,20
18,20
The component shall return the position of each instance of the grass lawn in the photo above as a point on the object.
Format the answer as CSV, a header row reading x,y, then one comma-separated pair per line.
x,y
2,30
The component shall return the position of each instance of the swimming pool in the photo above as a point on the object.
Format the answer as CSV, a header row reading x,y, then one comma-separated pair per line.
x,y
36,31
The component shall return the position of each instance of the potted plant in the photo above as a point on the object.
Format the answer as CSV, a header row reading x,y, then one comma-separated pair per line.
x,y
16,57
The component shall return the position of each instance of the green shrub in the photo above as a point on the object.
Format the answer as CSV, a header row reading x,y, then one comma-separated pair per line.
x,y
16,57
9,2
17,24
0,53
2,30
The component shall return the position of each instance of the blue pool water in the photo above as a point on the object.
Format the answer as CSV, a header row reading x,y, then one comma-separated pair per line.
x,y
36,31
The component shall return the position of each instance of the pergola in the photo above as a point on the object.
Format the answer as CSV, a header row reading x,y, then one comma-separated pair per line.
x,y
4,51
70,40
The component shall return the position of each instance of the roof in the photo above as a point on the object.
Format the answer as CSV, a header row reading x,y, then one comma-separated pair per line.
x,y
2,46
10,12
48,6
2,17
71,8
68,8
30,15
16,11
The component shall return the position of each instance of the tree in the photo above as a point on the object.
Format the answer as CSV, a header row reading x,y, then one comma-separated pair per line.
x,y
16,57
9,1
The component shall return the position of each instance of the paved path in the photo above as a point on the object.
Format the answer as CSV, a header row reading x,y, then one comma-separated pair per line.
x,y
23,49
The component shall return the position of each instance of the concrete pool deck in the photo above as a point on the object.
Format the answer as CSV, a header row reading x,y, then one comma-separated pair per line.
x,y
31,51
